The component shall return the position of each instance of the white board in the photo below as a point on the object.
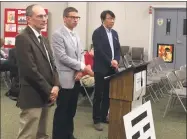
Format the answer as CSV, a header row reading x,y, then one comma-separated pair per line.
x,y
139,123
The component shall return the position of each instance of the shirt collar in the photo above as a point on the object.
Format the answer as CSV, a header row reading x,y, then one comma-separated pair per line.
x,y
35,32
70,31
107,30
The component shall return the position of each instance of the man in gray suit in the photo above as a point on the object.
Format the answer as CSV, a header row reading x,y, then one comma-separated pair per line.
x,y
69,60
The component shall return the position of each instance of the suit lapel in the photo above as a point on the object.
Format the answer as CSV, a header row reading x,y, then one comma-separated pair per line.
x,y
35,40
69,38
49,50
114,39
78,52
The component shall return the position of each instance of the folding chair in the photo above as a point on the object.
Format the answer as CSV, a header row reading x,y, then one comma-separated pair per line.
x,y
90,98
176,91
183,68
137,54
161,65
156,79
6,79
181,75
149,92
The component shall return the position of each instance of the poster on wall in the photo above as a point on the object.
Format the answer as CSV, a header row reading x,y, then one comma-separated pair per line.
x,y
21,27
14,22
166,52
11,17
9,41
10,27
22,19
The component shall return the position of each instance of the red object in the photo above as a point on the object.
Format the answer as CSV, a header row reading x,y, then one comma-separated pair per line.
x,y
14,20
150,9
88,60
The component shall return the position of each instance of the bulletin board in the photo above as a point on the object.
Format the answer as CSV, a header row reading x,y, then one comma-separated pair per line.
x,y
14,22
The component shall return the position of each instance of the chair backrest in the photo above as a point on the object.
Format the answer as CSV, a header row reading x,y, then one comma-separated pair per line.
x,y
124,50
137,53
157,64
181,75
162,64
151,69
127,60
121,62
183,68
174,81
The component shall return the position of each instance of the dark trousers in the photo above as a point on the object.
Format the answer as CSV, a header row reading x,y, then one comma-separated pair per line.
x,y
101,97
4,65
63,124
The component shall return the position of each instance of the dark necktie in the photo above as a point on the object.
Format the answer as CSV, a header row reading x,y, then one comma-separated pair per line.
x,y
45,50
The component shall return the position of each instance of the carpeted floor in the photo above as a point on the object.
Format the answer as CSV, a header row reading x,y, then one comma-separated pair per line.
x,y
173,126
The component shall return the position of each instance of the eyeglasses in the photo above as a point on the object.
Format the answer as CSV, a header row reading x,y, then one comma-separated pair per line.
x,y
42,16
74,17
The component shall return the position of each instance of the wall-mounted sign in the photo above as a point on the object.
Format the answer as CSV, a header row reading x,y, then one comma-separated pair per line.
x,y
160,21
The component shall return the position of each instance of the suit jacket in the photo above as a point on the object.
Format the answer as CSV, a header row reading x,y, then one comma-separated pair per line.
x,y
36,76
68,56
102,50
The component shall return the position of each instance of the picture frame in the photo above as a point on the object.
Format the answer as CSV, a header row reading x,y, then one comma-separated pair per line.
x,y
166,52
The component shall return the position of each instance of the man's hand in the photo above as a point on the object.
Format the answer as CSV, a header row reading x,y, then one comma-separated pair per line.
x,y
90,71
54,93
114,64
87,69
78,76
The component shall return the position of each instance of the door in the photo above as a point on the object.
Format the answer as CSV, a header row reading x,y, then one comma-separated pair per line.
x,y
181,39
168,40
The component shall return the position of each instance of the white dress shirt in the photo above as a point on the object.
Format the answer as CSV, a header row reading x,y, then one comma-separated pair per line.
x,y
37,34
72,34
110,38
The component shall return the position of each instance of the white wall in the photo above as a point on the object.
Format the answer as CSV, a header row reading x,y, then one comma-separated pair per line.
x,y
132,18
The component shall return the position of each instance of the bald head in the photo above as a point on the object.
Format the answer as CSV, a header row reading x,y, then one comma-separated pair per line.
x,y
36,16
31,9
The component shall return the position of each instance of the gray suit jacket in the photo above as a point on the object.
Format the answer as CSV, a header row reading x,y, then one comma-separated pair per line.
x,y
68,56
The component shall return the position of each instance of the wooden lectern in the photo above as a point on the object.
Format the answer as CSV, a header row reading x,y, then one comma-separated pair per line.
x,y
122,96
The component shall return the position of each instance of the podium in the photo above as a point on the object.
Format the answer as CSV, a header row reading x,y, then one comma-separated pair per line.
x,y
126,90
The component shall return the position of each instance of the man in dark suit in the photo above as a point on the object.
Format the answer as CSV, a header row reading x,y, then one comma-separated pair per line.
x,y
39,80
106,56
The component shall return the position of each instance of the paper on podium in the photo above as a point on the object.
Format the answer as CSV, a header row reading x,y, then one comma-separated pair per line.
x,y
139,84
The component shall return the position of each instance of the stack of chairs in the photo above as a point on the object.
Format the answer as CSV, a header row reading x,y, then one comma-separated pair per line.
x,y
163,81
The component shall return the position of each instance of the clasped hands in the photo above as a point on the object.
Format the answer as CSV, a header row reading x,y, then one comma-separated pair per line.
x,y
54,93
79,74
114,64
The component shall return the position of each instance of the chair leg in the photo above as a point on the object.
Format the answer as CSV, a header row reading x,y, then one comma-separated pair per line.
x,y
181,103
150,92
154,93
88,96
167,106
174,100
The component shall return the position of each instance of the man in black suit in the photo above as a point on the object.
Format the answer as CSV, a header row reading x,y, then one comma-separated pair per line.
x,y
106,56
39,80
